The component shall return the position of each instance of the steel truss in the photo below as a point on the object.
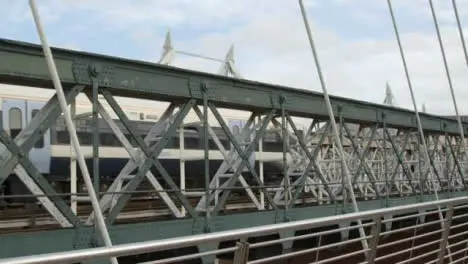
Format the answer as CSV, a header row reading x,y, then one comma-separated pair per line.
x,y
385,162
382,147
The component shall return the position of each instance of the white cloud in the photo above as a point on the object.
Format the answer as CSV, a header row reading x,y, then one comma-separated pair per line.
x,y
271,43
275,49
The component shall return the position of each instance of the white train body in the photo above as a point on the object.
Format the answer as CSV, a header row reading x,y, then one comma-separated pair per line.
x,y
51,155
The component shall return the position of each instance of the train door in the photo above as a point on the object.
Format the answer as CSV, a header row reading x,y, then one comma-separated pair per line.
x,y
16,115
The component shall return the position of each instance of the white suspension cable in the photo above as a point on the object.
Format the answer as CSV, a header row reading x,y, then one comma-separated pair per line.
x,y
71,128
410,86
465,52
447,72
416,112
332,120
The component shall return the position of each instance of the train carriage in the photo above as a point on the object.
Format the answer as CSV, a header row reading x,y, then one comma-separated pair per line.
x,y
51,153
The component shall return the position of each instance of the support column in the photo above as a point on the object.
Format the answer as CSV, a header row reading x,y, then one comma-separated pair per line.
x,y
73,176
94,71
284,132
206,157
182,164
211,259
374,240
260,166
287,245
241,256
445,233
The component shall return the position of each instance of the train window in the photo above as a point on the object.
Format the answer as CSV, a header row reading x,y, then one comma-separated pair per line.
x,y
212,145
109,139
173,143
272,146
63,138
40,142
16,123
85,138
191,143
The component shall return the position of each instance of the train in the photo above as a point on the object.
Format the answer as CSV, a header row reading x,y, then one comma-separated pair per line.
x,y
51,154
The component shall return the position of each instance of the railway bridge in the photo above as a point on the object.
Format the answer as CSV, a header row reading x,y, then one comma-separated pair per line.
x,y
346,176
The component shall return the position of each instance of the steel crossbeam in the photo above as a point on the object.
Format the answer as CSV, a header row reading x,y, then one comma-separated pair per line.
x,y
230,163
15,159
149,149
235,162
302,161
137,159
28,136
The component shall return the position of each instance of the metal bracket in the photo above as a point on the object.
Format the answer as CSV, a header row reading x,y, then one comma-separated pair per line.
x,y
84,71
241,256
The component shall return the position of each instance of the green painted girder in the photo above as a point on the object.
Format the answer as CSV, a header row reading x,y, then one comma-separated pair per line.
x,y
40,242
23,64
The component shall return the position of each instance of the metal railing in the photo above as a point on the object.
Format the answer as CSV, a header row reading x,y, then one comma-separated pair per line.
x,y
442,242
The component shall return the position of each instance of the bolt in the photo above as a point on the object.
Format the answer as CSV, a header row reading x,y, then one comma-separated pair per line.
x,y
203,87
94,70
282,99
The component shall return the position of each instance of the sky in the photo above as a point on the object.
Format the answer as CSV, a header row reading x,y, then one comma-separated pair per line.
x,y
356,44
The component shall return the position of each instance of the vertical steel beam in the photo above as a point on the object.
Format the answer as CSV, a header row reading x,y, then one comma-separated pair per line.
x,y
95,130
182,164
71,128
260,165
73,176
384,149
206,155
284,132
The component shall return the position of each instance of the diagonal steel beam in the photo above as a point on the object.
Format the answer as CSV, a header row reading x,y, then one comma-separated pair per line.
x,y
365,152
138,159
244,156
311,163
311,157
362,156
40,123
229,161
399,158
457,163
152,157
431,154
106,200
64,215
